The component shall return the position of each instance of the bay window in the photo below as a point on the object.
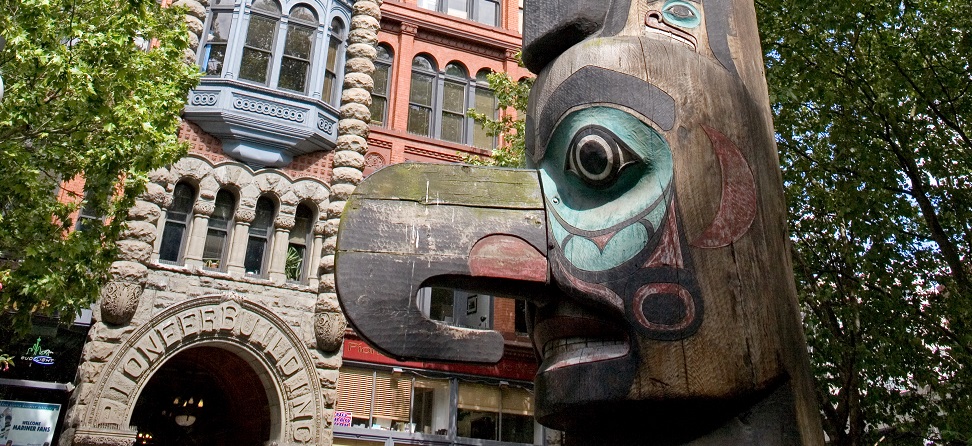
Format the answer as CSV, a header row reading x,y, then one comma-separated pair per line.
x,y
217,37
331,90
295,63
259,43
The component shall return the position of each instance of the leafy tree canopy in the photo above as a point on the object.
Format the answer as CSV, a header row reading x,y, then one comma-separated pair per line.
x,y
873,110
94,89
510,95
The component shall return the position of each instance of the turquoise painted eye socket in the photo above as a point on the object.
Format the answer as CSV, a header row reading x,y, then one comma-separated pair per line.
x,y
597,156
681,14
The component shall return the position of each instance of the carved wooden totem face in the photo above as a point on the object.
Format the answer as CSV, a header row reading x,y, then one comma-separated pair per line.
x,y
654,145
649,239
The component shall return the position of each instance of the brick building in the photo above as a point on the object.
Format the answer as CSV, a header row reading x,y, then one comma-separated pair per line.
x,y
221,324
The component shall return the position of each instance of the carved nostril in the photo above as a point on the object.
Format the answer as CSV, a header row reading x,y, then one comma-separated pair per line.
x,y
653,17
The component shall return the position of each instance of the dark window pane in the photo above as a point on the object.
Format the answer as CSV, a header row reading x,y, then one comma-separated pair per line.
x,y
421,89
223,210
213,64
441,304
419,120
483,76
452,127
303,13
519,318
183,197
302,225
213,249
332,51
488,12
517,428
328,90
476,424
381,79
455,70
457,8
261,32
253,261
263,217
384,55
378,110
171,246
422,63
254,66
337,27
454,97
299,42
293,74
220,27
267,5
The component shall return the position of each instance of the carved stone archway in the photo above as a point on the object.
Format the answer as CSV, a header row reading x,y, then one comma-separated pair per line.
x,y
251,331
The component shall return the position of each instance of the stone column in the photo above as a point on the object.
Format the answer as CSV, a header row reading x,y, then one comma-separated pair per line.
x,y
197,235
241,231
277,271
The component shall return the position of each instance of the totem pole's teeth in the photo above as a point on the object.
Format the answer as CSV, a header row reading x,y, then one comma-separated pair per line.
x,y
565,352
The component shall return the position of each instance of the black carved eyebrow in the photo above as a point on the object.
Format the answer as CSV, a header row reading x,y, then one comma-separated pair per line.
x,y
596,85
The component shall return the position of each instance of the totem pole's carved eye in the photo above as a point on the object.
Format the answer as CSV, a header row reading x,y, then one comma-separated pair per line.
x,y
682,14
597,156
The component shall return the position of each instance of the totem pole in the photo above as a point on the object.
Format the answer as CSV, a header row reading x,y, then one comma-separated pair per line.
x,y
649,240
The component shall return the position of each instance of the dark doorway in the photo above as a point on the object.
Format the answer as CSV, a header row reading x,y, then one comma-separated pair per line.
x,y
203,396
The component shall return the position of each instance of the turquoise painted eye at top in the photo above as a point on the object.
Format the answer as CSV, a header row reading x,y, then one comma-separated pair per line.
x,y
682,14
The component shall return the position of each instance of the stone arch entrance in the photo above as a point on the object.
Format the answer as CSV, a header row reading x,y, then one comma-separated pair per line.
x,y
228,322
204,395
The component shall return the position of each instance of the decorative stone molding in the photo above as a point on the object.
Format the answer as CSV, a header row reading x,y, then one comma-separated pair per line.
x,y
329,330
245,215
374,161
409,28
204,208
325,124
227,321
119,300
204,98
284,222
320,228
105,435
263,107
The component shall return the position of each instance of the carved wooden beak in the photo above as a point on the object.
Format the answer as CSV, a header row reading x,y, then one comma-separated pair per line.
x,y
410,226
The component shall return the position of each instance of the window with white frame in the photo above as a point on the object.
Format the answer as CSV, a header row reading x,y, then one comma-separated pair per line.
x,y
485,104
382,78
439,103
266,53
171,248
217,37
421,97
261,35
483,11
217,234
255,258
295,63
330,91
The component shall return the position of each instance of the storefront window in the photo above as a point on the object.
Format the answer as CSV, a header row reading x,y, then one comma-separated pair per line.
x,y
457,308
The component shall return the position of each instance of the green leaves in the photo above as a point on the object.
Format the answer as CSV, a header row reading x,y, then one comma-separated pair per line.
x,y
86,106
513,95
872,108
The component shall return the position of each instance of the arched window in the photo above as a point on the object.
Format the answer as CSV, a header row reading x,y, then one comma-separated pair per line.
x,y
176,222
300,240
255,259
485,104
454,103
217,36
260,37
421,97
330,93
214,251
298,49
382,77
